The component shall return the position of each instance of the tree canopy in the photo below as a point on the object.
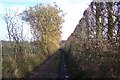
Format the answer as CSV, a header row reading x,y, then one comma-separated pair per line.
x,y
46,23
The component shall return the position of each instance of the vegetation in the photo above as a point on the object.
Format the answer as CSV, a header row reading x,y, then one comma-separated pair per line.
x,y
94,47
21,56
46,26
91,51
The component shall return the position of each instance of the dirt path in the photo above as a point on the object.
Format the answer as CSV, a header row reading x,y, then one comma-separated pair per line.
x,y
54,68
64,72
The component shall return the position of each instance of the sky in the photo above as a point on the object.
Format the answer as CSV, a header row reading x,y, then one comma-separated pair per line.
x,y
73,8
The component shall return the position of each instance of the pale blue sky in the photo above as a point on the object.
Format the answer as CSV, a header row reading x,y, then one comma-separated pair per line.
x,y
73,8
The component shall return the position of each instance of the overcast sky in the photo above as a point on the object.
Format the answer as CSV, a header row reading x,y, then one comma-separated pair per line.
x,y
73,8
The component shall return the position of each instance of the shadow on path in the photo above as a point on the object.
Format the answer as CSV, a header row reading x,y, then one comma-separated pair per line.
x,y
53,68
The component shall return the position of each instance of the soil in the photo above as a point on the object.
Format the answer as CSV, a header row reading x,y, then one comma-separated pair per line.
x,y
53,68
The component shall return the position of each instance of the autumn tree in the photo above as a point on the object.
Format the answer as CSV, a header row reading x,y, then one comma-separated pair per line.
x,y
45,22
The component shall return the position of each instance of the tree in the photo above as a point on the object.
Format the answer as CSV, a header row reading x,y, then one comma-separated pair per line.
x,y
118,19
110,19
14,28
45,22
118,25
15,32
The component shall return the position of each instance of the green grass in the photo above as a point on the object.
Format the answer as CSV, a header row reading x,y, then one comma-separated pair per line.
x,y
56,64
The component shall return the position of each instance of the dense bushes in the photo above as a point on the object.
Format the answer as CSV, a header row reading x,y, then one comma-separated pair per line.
x,y
94,46
13,66
20,56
